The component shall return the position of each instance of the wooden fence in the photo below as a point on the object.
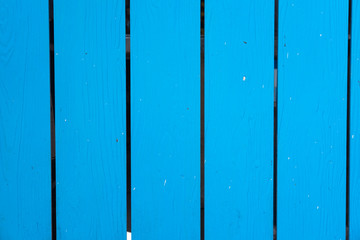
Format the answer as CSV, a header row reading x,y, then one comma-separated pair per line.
x,y
184,118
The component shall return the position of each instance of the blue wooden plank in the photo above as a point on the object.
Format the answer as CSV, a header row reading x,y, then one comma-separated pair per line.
x,y
25,182
239,94
355,124
90,102
312,88
165,119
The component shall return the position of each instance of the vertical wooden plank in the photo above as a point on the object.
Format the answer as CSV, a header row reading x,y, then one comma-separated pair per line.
x,y
90,119
239,94
355,124
165,119
25,181
312,88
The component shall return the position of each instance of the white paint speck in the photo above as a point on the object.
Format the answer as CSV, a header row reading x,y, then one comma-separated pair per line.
x,y
317,207
244,78
288,158
225,43
128,236
229,187
320,34
133,189
352,136
56,54
290,98
308,195
122,133
164,182
65,120
262,86
287,55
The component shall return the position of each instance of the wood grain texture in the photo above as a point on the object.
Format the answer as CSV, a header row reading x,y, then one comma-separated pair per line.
x,y
165,119
312,94
355,124
90,99
239,94
25,182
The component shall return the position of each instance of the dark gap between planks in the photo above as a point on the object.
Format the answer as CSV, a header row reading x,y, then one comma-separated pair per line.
x,y
202,116
276,43
128,118
52,120
348,123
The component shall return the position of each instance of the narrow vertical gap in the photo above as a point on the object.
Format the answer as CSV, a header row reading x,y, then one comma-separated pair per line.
x,y
52,120
128,118
348,123
202,116
276,42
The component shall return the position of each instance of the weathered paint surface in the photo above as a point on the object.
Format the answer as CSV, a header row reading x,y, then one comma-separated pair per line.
x,y
90,119
239,94
355,124
25,190
312,100
165,119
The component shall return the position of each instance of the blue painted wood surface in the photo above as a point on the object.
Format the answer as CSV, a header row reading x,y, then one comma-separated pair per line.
x,y
312,100
239,107
165,119
355,124
90,119
25,182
